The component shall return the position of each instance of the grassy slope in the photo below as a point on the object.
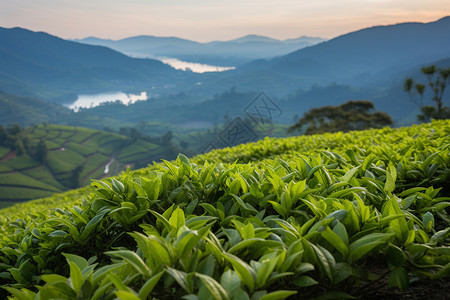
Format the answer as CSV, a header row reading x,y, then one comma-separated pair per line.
x,y
23,178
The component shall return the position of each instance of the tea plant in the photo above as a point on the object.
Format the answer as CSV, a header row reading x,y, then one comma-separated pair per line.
x,y
322,216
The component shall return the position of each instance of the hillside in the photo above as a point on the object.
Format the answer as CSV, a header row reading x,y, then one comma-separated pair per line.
x,y
360,214
28,111
375,49
42,65
356,58
71,157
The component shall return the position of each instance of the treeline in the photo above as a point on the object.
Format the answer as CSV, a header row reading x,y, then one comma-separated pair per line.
x,y
12,138
134,134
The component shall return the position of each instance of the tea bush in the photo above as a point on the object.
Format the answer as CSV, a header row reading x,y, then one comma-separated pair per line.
x,y
317,216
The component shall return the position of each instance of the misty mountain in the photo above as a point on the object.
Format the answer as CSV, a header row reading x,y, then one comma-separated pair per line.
x,y
42,65
362,56
229,53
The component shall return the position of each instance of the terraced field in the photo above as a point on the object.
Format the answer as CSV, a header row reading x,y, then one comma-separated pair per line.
x,y
74,154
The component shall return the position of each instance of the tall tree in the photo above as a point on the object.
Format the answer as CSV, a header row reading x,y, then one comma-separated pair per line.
x,y
352,115
438,79
41,152
19,147
75,177
3,135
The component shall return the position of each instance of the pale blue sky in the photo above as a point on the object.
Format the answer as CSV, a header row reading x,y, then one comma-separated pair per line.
x,y
203,20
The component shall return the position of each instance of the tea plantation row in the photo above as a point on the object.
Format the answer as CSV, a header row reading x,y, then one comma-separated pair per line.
x,y
73,155
325,216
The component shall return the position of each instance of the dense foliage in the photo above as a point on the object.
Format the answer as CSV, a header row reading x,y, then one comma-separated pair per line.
x,y
438,80
351,115
326,215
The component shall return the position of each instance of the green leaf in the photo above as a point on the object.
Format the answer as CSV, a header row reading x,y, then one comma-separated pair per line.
x,y
335,241
246,243
349,175
188,239
341,231
278,208
78,260
127,295
268,263
102,272
76,278
305,267
278,295
58,233
395,256
444,272
304,281
361,247
52,278
398,225
133,259
184,159
93,223
245,206
183,279
230,281
440,235
117,186
149,285
343,271
326,261
177,218
244,271
399,278
216,290
118,283
391,176
246,231
22,294
162,219
428,221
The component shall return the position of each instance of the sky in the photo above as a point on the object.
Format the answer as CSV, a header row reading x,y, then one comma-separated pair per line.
x,y
207,20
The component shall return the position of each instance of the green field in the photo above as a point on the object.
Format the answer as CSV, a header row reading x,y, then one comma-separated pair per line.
x,y
333,216
24,178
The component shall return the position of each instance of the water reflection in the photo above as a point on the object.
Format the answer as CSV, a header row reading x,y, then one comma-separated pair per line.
x,y
194,67
89,101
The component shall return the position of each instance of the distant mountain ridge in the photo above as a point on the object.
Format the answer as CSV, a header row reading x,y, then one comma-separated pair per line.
x,y
377,48
230,52
356,57
39,64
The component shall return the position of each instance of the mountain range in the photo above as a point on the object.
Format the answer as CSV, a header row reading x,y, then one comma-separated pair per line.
x,y
47,67
363,57
41,65
224,53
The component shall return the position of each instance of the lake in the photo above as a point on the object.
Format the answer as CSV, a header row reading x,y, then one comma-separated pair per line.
x,y
194,67
183,65
89,101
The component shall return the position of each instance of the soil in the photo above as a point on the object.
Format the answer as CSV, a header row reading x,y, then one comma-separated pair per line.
x,y
423,289
418,289
10,155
